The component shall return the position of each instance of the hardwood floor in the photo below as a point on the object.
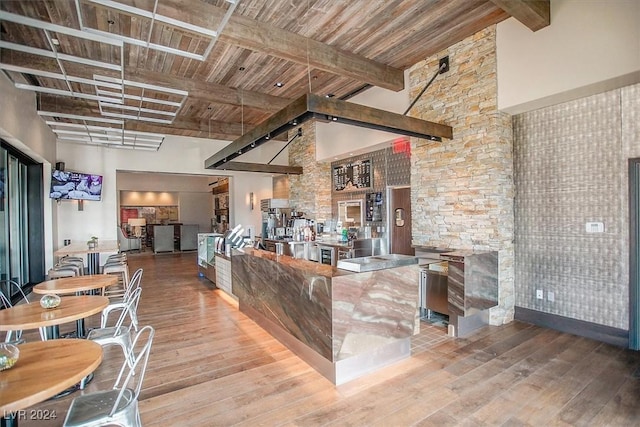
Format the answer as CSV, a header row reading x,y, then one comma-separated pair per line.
x,y
212,366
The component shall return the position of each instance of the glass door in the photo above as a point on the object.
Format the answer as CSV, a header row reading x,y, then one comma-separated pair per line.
x,y
18,223
14,230
4,228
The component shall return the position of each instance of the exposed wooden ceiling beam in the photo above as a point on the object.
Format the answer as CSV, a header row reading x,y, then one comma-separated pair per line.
x,y
212,129
261,167
201,91
535,14
258,36
311,106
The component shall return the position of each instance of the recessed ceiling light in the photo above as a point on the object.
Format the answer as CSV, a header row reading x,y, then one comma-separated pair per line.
x,y
241,68
111,22
330,95
278,84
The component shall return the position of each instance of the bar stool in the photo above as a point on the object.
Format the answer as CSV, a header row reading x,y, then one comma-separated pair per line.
x,y
78,262
59,271
120,256
122,270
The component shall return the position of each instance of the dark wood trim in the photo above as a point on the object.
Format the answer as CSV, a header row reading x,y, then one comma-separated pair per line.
x,y
259,167
603,333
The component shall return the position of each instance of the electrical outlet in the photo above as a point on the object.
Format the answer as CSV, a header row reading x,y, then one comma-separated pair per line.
x,y
539,294
550,296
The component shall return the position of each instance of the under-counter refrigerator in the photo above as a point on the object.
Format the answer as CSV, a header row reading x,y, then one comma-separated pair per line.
x,y
206,254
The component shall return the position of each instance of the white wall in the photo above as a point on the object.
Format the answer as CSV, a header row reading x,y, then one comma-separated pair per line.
x,y
239,189
195,208
590,47
334,140
21,127
177,155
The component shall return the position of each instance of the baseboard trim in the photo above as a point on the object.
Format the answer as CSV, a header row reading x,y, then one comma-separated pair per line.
x,y
607,334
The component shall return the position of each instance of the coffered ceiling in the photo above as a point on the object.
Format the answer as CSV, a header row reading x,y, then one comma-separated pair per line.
x,y
125,73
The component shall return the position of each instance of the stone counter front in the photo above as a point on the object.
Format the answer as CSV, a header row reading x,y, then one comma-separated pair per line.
x,y
343,324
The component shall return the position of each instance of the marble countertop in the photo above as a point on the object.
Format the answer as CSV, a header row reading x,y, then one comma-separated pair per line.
x,y
311,267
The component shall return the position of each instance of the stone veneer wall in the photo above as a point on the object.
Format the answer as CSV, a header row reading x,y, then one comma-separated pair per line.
x,y
311,191
462,189
571,165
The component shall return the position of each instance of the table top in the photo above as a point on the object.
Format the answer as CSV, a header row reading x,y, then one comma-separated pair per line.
x,y
46,368
32,316
71,285
82,248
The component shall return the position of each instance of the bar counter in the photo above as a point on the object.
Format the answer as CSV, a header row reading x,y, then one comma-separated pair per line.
x,y
344,324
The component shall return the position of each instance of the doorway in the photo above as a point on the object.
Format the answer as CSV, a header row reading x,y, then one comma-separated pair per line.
x,y
634,254
400,221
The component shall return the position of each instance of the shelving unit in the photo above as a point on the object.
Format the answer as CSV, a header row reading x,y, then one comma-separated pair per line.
x,y
221,206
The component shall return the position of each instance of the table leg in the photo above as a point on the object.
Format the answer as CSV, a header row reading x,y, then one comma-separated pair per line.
x,y
9,419
52,332
93,262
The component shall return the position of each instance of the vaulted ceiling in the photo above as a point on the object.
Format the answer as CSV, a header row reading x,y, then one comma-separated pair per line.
x,y
127,72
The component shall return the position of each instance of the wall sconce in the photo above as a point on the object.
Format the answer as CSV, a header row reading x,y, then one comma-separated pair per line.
x,y
251,200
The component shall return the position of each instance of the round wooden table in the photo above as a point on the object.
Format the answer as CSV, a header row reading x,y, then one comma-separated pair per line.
x,y
74,285
44,369
32,316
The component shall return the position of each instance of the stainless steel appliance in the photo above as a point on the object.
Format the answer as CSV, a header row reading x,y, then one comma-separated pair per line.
x,y
327,255
433,290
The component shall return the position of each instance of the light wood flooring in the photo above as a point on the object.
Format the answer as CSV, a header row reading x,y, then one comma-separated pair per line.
x,y
212,366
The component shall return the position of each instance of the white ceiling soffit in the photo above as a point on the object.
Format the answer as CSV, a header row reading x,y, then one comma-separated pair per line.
x,y
104,132
115,97
156,20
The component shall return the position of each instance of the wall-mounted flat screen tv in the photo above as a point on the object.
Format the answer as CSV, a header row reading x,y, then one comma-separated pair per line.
x,y
66,185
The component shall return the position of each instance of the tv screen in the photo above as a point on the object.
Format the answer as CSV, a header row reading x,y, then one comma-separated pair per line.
x,y
67,185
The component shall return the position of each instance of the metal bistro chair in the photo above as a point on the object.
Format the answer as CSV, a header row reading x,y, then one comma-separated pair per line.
x,y
73,261
121,268
119,303
63,270
118,334
6,303
119,405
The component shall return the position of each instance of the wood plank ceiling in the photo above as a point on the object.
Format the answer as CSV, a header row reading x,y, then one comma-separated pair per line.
x,y
180,79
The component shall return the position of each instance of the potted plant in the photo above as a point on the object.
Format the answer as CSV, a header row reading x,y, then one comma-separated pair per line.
x,y
93,242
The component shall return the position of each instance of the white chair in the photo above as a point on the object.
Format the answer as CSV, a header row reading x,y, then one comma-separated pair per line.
x,y
127,243
59,271
120,268
120,303
119,405
120,256
119,334
6,303
75,261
